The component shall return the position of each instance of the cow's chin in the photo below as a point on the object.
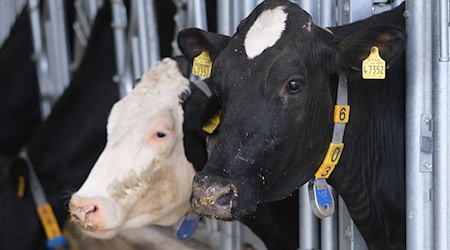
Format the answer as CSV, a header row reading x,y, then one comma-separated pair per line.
x,y
101,233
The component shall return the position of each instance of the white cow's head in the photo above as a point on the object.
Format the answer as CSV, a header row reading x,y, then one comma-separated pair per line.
x,y
142,176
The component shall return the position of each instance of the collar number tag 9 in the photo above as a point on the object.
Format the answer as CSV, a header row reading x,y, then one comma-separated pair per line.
x,y
374,67
202,65
188,226
321,199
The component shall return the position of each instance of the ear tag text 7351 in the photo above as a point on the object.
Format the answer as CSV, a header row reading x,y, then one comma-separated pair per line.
x,y
374,67
320,197
202,65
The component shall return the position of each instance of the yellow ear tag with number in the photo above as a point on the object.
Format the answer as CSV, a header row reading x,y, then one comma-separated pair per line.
x,y
212,124
202,65
374,67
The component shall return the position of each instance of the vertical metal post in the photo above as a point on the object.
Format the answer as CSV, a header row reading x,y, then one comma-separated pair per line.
x,y
40,58
247,7
327,13
309,224
152,32
119,24
349,236
224,17
312,7
57,45
418,107
236,14
440,125
329,229
197,14
353,10
139,8
328,226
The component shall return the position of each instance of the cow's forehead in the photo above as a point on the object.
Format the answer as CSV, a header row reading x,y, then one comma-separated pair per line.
x,y
275,29
158,91
265,31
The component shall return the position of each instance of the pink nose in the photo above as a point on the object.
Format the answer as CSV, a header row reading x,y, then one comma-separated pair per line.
x,y
86,212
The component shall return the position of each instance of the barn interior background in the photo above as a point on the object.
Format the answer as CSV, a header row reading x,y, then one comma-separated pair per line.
x,y
60,30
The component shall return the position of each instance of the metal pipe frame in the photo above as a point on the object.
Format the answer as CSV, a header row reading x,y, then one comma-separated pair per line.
x,y
309,223
119,24
224,25
440,99
419,183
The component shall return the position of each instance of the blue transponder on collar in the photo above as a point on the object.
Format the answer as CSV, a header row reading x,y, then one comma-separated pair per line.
x,y
59,242
188,226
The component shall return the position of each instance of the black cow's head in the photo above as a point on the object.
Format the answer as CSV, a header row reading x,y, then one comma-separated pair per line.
x,y
274,81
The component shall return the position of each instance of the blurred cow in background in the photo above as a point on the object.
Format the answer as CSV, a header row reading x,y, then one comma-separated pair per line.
x,y
64,147
19,89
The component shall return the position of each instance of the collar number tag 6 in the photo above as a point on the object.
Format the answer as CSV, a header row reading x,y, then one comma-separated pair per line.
x,y
202,65
188,226
321,199
374,67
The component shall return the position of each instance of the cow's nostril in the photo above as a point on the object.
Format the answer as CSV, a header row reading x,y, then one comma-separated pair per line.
x,y
92,209
224,200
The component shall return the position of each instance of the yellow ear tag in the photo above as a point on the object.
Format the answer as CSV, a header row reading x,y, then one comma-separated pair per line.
x,y
202,65
21,187
212,124
374,67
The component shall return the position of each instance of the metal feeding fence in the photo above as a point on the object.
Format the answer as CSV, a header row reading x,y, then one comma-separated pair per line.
x,y
137,47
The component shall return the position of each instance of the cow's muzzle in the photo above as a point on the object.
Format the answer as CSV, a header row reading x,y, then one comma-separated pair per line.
x,y
212,197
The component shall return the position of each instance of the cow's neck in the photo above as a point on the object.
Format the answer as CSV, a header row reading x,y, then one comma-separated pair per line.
x,y
370,175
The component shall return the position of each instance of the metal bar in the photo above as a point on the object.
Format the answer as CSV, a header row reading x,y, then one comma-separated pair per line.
x,y
312,7
58,38
247,7
309,229
152,33
236,14
329,230
349,236
41,60
224,17
119,25
138,7
418,91
440,125
327,13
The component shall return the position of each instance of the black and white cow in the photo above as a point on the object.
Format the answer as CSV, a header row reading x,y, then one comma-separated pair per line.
x,y
144,174
19,102
276,79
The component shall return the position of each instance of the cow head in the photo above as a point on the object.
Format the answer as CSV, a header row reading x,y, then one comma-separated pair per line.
x,y
142,177
275,80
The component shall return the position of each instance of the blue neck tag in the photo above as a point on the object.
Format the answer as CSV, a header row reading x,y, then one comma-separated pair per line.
x,y
322,201
188,226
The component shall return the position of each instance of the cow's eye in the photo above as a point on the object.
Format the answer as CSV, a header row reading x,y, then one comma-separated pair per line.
x,y
295,85
161,134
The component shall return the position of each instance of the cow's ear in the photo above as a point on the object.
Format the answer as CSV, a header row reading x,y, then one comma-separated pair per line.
x,y
354,49
184,65
194,41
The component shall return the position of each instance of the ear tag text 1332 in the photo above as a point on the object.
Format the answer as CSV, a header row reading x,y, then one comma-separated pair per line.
x,y
320,197
374,67
202,65
188,226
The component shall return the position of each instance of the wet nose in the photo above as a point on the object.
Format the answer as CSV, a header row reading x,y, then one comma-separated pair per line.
x,y
86,212
211,196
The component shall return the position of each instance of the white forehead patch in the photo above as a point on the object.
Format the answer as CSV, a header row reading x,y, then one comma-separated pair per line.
x,y
265,31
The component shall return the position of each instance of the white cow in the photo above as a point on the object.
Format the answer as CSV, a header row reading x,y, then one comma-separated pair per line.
x,y
142,176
